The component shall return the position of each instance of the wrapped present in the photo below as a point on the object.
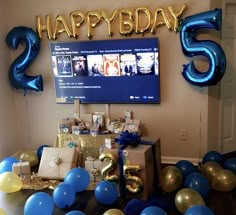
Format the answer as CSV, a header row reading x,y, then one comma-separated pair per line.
x,y
89,145
138,166
65,125
57,162
98,119
87,118
23,170
132,126
94,167
109,143
117,126
128,115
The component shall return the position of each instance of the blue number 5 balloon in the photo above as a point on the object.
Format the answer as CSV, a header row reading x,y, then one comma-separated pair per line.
x,y
211,50
17,76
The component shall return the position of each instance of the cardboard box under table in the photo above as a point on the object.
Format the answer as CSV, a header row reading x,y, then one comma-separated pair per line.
x,y
57,162
141,156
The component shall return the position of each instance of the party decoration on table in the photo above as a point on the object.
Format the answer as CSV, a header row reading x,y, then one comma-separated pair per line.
x,y
199,183
199,210
153,210
40,150
75,213
211,50
213,156
209,169
2,212
39,203
78,178
106,193
170,178
17,72
27,155
230,164
6,164
10,182
186,167
107,169
186,198
64,196
224,180
114,211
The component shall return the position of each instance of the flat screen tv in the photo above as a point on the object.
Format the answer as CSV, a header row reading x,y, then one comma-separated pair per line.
x,y
106,71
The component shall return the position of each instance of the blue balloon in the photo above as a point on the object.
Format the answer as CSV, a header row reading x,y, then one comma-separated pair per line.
x,y
199,183
212,51
17,76
230,164
153,210
40,151
39,203
213,156
106,193
64,196
186,167
78,178
6,164
199,210
75,213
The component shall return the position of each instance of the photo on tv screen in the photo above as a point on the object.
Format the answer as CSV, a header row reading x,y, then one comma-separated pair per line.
x,y
107,71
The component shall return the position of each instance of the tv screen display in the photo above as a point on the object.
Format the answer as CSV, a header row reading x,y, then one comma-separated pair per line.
x,y
106,71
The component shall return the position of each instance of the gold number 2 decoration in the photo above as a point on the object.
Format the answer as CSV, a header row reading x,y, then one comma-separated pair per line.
x,y
107,169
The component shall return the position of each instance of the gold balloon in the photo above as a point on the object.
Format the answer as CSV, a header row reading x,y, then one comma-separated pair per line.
x,y
109,168
2,212
109,20
134,183
186,198
171,178
76,19
210,169
126,22
93,18
60,27
10,182
27,155
113,212
143,13
224,180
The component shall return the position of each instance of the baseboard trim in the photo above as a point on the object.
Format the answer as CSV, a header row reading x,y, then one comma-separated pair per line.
x,y
174,160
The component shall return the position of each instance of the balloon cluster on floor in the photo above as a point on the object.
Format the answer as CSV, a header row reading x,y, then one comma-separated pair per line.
x,y
190,185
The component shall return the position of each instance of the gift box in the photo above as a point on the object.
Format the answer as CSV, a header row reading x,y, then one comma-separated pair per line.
x,y
132,126
94,168
144,161
55,163
89,145
109,143
23,170
65,125
116,126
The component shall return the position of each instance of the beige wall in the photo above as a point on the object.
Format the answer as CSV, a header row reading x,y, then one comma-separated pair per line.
x,y
183,106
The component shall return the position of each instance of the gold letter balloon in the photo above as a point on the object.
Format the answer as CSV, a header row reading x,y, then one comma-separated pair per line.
x,y
2,212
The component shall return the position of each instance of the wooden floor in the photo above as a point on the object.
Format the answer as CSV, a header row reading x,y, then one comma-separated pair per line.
x,y
221,203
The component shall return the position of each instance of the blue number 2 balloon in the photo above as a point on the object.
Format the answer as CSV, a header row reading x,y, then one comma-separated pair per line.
x,y
211,50
17,76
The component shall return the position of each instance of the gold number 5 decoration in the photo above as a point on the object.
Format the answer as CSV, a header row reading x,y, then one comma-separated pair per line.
x,y
134,184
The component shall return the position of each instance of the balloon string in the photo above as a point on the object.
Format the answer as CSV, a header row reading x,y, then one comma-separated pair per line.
x,y
27,121
200,127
